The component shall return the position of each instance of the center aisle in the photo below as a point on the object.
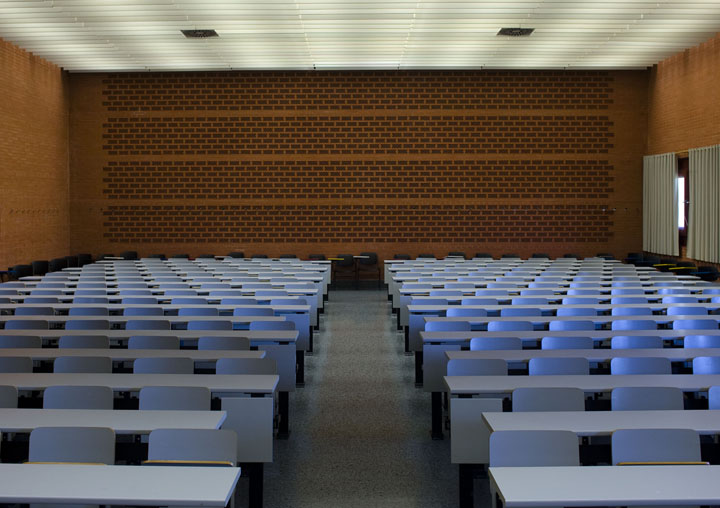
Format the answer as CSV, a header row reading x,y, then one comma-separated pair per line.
x,y
360,429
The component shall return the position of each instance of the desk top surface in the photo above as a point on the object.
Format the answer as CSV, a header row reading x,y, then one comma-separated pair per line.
x,y
461,337
535,487
122,421
245,383
592,423
469,385
655,306
593,355
304,308
254,335
61,318
658,318
122,354
109,485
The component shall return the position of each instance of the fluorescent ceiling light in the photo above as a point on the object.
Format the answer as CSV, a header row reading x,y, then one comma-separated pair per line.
x,y
106,35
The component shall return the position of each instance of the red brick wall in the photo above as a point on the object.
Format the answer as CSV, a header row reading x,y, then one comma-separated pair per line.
x,y
684,100
34,172
331,162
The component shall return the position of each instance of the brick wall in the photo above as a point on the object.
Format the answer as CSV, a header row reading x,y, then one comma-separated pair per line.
x,y
330,162
34,172
684,100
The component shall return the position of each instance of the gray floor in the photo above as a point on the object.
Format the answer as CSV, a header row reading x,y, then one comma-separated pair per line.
x,y
359,428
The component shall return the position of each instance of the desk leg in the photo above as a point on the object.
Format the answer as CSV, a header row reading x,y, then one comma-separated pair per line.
x,y
437,428
466,476
418,368
310,342
300,367
407,340
255,474
284,414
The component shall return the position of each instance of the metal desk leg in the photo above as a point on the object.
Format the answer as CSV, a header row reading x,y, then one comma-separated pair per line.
x,y
300,367
437,413
284,415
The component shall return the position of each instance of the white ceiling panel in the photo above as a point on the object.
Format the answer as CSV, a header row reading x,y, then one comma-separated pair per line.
x,y
108,35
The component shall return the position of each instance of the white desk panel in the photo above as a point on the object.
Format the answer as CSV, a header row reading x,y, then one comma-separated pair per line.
x,y
504,385
539,487
121,421
117,485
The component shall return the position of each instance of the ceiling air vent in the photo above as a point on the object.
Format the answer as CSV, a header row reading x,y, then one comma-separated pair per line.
x,y
199,34
516,32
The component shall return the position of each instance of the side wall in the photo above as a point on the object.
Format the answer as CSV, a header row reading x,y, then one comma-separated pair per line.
x,y
684,100
34,204
332,162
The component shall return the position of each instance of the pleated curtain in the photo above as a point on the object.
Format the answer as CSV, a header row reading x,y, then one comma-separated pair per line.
x,y
704,215
660,204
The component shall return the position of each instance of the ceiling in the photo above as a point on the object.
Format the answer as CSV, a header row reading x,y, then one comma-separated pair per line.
x,y
124,35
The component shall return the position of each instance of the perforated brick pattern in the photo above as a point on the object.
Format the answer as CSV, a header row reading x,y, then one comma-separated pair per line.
x,y
281,162
289,91
326,135
368,179
367,223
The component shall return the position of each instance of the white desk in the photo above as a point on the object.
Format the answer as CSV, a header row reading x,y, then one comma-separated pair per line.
x,y
419,323
406,308
269,336
544,321
600,423
200,357
121,421
128,355
299,314
470,426
117,485
250,417
500,387
463,338
61,319
431,361
553,307
504,385
435,370
278,344
258,385
536,487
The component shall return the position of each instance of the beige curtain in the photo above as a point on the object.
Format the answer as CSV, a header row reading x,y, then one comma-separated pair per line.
x,y
704,215
660,204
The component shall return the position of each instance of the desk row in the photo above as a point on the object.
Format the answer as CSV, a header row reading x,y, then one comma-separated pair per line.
x,y
280,345
431,360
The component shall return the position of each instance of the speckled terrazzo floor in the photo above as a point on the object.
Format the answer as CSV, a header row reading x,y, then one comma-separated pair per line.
x,y
359,427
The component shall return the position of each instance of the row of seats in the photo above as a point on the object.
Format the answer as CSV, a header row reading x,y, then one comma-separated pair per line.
x,y
575,325
567,325
156,365
96,445
146,324
159,311
574,311
547,449
705,272
616,342
486,255
87,445
625,398
131,255
578,366
134,342
175,398
41,267
533,448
